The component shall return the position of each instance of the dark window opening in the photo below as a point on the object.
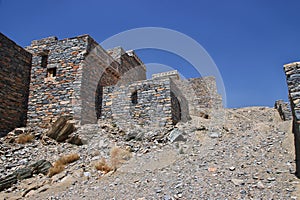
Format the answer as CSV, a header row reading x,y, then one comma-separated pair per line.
x,y
44,61
134,98
51,72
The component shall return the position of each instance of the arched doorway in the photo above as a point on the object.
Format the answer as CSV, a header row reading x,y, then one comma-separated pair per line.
x,y
108,78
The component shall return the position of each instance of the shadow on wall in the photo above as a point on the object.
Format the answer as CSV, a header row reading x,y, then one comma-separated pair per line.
x,y
296,131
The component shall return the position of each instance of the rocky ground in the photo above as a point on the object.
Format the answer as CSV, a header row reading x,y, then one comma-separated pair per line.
x,y
245,153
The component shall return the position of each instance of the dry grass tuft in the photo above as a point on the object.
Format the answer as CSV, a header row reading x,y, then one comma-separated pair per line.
x,y
118,156
24,138
60,164
103,166
56,169
64,160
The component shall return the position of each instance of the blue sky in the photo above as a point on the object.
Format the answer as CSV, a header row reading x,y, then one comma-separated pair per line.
x,y
248,40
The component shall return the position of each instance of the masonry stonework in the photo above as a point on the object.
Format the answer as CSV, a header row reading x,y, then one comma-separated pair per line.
x,y
15,64
161,101
292,72
283,109
68,76
78,78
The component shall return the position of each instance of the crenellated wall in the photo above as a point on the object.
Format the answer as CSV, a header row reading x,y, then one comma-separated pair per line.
x,y
15,65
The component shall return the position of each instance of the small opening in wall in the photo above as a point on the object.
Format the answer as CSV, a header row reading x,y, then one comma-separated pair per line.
x,y
44,61
134,98
51,72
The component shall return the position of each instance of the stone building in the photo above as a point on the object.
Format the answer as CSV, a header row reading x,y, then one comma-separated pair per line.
x,y
161,101
78,78
68,75
15,65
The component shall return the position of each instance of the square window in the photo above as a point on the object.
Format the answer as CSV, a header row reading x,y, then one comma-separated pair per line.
x,y
51,72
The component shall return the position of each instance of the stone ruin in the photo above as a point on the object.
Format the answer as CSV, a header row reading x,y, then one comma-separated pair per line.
x,y
283,109
77,77
292,71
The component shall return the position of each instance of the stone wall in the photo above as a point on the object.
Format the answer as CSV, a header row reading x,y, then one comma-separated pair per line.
x,y
142,103
68,77
180,104
99,70
292,72
131,68
283,109
205,89
200,94
15,65
58,94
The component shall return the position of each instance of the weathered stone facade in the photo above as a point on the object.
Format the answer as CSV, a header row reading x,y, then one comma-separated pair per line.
x,y
283,109
200,93
292,72
15,64
144,103
68,75
76,77
162,101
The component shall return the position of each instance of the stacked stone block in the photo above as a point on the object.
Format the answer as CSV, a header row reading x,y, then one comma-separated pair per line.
x,y
142,103
15,64
82,68
292,72
283,109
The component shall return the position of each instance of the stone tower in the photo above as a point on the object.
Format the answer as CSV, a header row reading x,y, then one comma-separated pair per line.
x,y
15,65
68,76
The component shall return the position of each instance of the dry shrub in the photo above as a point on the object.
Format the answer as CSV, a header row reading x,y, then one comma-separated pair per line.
x,y
56,169
60,164
24,138
118,156
64,160
103,166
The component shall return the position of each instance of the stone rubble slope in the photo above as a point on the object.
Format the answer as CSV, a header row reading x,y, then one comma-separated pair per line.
x,y
245,153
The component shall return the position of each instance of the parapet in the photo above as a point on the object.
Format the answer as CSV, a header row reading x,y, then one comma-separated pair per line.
x,y
171,74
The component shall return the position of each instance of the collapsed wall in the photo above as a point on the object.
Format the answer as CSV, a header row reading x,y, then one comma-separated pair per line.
x,y
15,64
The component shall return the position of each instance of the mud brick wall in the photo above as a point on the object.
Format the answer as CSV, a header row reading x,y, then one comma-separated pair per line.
x,y
292,72
141,103
15,64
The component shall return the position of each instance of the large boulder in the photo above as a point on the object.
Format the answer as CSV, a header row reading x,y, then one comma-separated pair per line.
x,y
61,129
41,166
